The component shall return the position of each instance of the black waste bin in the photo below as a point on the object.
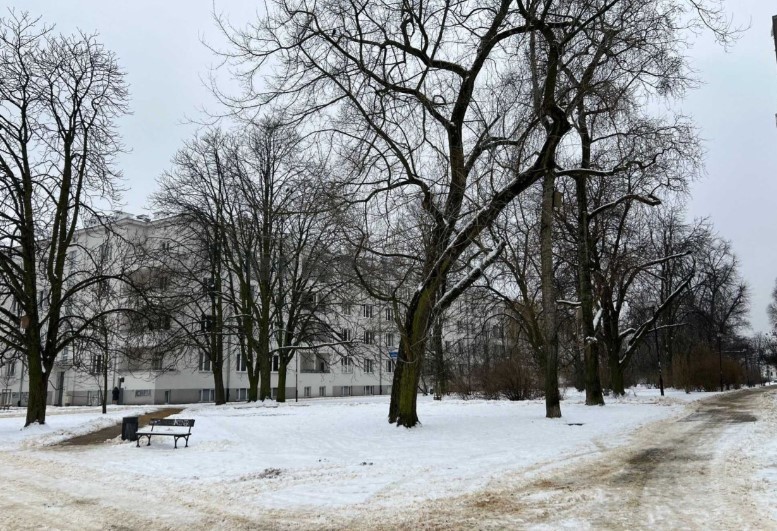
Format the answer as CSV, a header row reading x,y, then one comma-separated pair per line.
x,y
129,429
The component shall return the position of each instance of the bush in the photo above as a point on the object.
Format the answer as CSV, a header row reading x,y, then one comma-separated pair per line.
x,y
700,370
512,378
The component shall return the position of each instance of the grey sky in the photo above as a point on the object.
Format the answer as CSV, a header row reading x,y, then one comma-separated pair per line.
x,y
159,46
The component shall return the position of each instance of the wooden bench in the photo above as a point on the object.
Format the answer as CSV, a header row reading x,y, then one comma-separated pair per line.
x,y
167,428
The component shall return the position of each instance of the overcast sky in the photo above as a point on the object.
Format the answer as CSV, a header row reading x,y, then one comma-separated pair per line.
x,y
159,46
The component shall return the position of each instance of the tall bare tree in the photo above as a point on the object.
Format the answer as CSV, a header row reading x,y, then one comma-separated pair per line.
x,y
59,98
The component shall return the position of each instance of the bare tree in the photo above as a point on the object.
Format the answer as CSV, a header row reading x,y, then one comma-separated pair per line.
x,y
59,98
445,110
282,253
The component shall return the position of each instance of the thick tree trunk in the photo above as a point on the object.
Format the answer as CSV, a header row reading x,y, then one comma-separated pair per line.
x,y
408,416
593,386
265,389
412,348
253,386
616,374
395,392
282,372
218,382
550,328
38,393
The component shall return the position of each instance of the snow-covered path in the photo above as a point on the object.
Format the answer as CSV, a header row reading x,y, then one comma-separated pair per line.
x,y
698,471
639,462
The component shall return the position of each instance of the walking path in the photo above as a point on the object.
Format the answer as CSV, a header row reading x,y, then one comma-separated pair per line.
x,y
111,432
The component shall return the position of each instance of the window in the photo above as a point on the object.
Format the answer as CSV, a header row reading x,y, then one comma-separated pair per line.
x,y
322,391
10,369
207,395
205,363
367,310
369,389
308,301
389,365
368,366
142,392
276,360
447,345
157,362
389,340
346,390
165,246
389,314
306,392
105,252
96,364
71,259
369,337
274,392
345,308
206,323
240,364
241,394
346,364
346,334
163,282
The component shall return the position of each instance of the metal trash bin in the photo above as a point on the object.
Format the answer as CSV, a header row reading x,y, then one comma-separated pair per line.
x,y
129,428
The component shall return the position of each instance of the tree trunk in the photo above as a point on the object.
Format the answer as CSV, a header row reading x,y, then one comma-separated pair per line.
x,y
412,349
440,376
616,374
407,415
550,331
593,387
38,392
265,390
253,386
282,371
105,384
218,382
395,392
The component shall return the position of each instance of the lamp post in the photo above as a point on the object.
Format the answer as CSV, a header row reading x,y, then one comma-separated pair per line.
x,y
658,356
720,359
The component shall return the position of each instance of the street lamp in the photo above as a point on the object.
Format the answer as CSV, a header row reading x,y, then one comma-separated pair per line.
x,y
720,359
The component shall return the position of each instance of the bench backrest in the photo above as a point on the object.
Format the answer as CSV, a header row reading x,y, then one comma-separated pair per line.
x,y
187,423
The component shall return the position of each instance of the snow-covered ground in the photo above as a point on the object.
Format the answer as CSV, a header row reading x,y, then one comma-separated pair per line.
x,y
61,424
332,454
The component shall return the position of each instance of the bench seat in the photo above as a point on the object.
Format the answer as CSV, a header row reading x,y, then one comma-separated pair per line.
x,y
167,428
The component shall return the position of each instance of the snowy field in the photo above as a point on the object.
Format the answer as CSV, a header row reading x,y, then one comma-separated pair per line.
x,y
328,455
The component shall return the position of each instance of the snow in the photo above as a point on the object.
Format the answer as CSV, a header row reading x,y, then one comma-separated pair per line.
x,y
760,448
61,424
339,453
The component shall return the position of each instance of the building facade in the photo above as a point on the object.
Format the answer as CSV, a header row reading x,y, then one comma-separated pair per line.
x,y
361,364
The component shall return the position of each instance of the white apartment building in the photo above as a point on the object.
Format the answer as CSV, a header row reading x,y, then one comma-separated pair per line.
x,y
77,378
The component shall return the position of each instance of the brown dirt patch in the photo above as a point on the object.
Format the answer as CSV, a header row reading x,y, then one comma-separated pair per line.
x,y
111,432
